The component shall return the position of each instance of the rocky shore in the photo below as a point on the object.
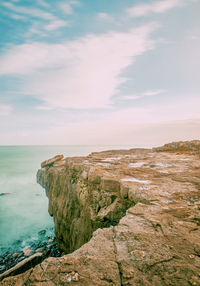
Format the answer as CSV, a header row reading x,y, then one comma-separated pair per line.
x,y
23,255
126,217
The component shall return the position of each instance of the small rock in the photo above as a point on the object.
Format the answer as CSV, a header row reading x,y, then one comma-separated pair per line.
x,y
84,175
27,251
72,276
75,277
191,256
16,254
39,249
42,232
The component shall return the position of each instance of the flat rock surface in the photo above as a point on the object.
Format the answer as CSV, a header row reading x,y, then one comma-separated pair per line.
x,y
126,217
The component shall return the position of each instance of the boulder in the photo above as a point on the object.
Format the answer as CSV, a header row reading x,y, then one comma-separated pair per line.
x,y
27,251
50,162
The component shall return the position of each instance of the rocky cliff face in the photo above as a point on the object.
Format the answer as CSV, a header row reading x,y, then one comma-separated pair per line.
x,y
128,217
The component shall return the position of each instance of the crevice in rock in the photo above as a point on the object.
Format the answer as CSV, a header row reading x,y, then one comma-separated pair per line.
x,y
117,262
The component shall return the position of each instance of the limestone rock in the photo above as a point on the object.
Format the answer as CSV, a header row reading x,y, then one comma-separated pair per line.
x,y
192,147
123,232
51,161
27,251
16,254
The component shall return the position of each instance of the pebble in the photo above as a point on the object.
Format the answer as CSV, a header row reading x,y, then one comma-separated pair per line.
x,y
16,254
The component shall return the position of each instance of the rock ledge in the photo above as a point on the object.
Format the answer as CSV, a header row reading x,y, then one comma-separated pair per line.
x,y
127,217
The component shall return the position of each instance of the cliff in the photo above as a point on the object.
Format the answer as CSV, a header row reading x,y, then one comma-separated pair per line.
x,y
126,217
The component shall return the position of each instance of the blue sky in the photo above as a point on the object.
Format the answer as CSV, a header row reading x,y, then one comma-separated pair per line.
x,y
99,72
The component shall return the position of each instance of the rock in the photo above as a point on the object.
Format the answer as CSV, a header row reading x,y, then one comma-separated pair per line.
x,y
2,268
51,161
4,194
84,175
22,266
123,232
59,163
27,251
42,232
16,254
191,147
39,249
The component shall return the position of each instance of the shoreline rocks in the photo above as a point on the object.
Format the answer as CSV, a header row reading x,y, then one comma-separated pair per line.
x,y
12,257
124,222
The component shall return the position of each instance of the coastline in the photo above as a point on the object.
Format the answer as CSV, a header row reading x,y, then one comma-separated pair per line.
x,y
141,205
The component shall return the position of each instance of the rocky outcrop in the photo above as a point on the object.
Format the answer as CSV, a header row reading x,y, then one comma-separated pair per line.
x,y
128,217
50,162
191,147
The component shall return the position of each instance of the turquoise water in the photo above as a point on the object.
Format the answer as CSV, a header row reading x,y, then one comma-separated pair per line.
x,y
24,210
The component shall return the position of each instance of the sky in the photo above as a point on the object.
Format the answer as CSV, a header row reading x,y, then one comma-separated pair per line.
x,y
99,72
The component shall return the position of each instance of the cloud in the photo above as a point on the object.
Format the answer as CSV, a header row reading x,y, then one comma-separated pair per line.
x,y
43,107
154,7
40,28
56,24
18,17
33,12
5,109
67,7
84,73
43,3
104,16
145,94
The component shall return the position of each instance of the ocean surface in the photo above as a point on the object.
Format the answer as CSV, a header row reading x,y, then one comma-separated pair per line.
x,y
23,203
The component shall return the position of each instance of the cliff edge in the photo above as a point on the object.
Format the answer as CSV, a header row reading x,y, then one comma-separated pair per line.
x,y
126,217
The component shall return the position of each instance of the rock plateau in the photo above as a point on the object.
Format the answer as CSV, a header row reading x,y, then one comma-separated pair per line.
x,y
126,217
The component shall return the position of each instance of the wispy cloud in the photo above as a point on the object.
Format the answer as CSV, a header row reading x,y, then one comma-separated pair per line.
x,y
43,107
18,17
104,16
43,3
33,12
56,24
47,21
84,73
67,7
145,94
5,109
154,7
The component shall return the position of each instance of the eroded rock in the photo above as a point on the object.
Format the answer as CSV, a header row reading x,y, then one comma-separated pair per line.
x,y
51,161
123,232
23,265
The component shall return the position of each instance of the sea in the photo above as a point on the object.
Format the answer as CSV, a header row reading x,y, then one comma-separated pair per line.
x,y
23,202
